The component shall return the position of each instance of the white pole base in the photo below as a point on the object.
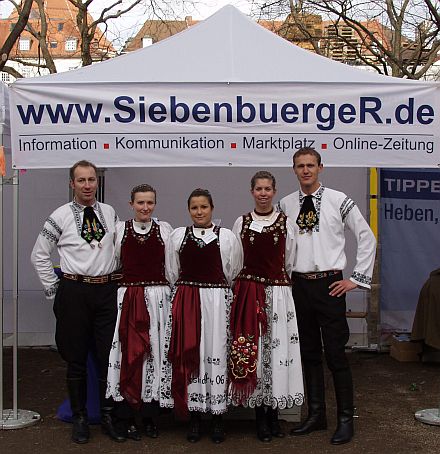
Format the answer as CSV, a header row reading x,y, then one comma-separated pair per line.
x,y
25,418
429,416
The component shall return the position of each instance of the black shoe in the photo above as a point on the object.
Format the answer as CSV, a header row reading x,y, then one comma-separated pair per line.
x,y
80,430
133,433
193,435
343,434
274,423
311,424
218,431
151,430
114,431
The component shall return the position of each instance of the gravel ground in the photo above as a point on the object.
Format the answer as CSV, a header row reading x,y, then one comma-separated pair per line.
x,y
387,394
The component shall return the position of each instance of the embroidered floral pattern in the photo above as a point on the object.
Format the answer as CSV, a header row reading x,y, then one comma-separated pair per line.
x,y
264,393
290,316
318,198
244,356
77,209
306,221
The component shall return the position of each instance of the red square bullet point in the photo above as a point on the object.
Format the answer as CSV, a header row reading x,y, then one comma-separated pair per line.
x,y
233,145
106,146
324,146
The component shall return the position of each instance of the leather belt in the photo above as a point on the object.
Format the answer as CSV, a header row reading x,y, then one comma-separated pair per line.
x,y
105,279
318,275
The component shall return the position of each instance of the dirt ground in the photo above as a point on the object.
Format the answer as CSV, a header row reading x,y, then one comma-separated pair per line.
x,y
387,394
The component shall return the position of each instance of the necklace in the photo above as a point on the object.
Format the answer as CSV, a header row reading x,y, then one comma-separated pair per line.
x,y
263,214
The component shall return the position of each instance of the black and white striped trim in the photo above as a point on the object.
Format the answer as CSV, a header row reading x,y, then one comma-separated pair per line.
x,y
345,208
50,291
52,222
50,235
362,278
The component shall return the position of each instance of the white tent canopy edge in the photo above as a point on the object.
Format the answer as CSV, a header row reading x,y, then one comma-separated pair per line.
x,y
225,92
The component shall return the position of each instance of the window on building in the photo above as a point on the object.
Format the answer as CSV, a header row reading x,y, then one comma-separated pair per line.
x,y
53,44
27,71
6,78
147,41
24,44
60,27
71,44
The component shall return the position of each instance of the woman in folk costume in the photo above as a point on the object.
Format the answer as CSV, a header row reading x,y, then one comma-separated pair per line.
x,y
265,365
203,260
143,305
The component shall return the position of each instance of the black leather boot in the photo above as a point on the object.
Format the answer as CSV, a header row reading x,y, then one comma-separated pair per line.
x,y
193,434
316,418
77,389
263,430
151,429
344,400
114,429
274,423
218,431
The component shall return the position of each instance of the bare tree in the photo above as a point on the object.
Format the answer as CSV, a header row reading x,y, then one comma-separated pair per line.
x,y
398,38
87,26
40,35
15,33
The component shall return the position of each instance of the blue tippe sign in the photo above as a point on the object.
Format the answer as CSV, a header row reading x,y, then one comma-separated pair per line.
x,y
410,241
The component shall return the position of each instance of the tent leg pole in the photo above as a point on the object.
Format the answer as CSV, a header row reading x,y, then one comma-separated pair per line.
x,y
15,418
1,298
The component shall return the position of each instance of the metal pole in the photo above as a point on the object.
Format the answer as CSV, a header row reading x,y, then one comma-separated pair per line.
x,y
1,296
15,418
15,291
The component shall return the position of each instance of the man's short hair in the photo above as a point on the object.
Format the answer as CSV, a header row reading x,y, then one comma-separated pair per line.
x,y
260,175
307,150
82,163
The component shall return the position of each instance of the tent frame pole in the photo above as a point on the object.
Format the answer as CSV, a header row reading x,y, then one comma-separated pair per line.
x,y
15,418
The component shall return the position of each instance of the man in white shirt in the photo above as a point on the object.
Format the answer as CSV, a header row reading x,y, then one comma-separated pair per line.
x,y
85,297
321,215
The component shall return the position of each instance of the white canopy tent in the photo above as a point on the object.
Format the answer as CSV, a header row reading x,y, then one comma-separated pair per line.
x,y
225,92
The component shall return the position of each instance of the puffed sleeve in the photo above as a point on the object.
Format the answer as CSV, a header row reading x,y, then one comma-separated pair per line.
x,y
165,233
231,254
120,229
41,254
290,247
172,261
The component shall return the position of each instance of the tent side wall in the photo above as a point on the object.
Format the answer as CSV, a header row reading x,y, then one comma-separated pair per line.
x,y
42,191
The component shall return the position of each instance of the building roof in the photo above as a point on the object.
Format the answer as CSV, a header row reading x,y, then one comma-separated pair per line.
x,y
61,18
226,47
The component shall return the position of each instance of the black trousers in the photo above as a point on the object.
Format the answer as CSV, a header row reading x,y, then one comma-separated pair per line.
x,y
321,320
85,319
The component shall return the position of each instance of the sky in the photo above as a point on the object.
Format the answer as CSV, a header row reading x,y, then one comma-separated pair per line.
x,y
203,8
122,29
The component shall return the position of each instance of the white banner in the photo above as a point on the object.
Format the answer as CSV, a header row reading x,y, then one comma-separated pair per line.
x,y
174,125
